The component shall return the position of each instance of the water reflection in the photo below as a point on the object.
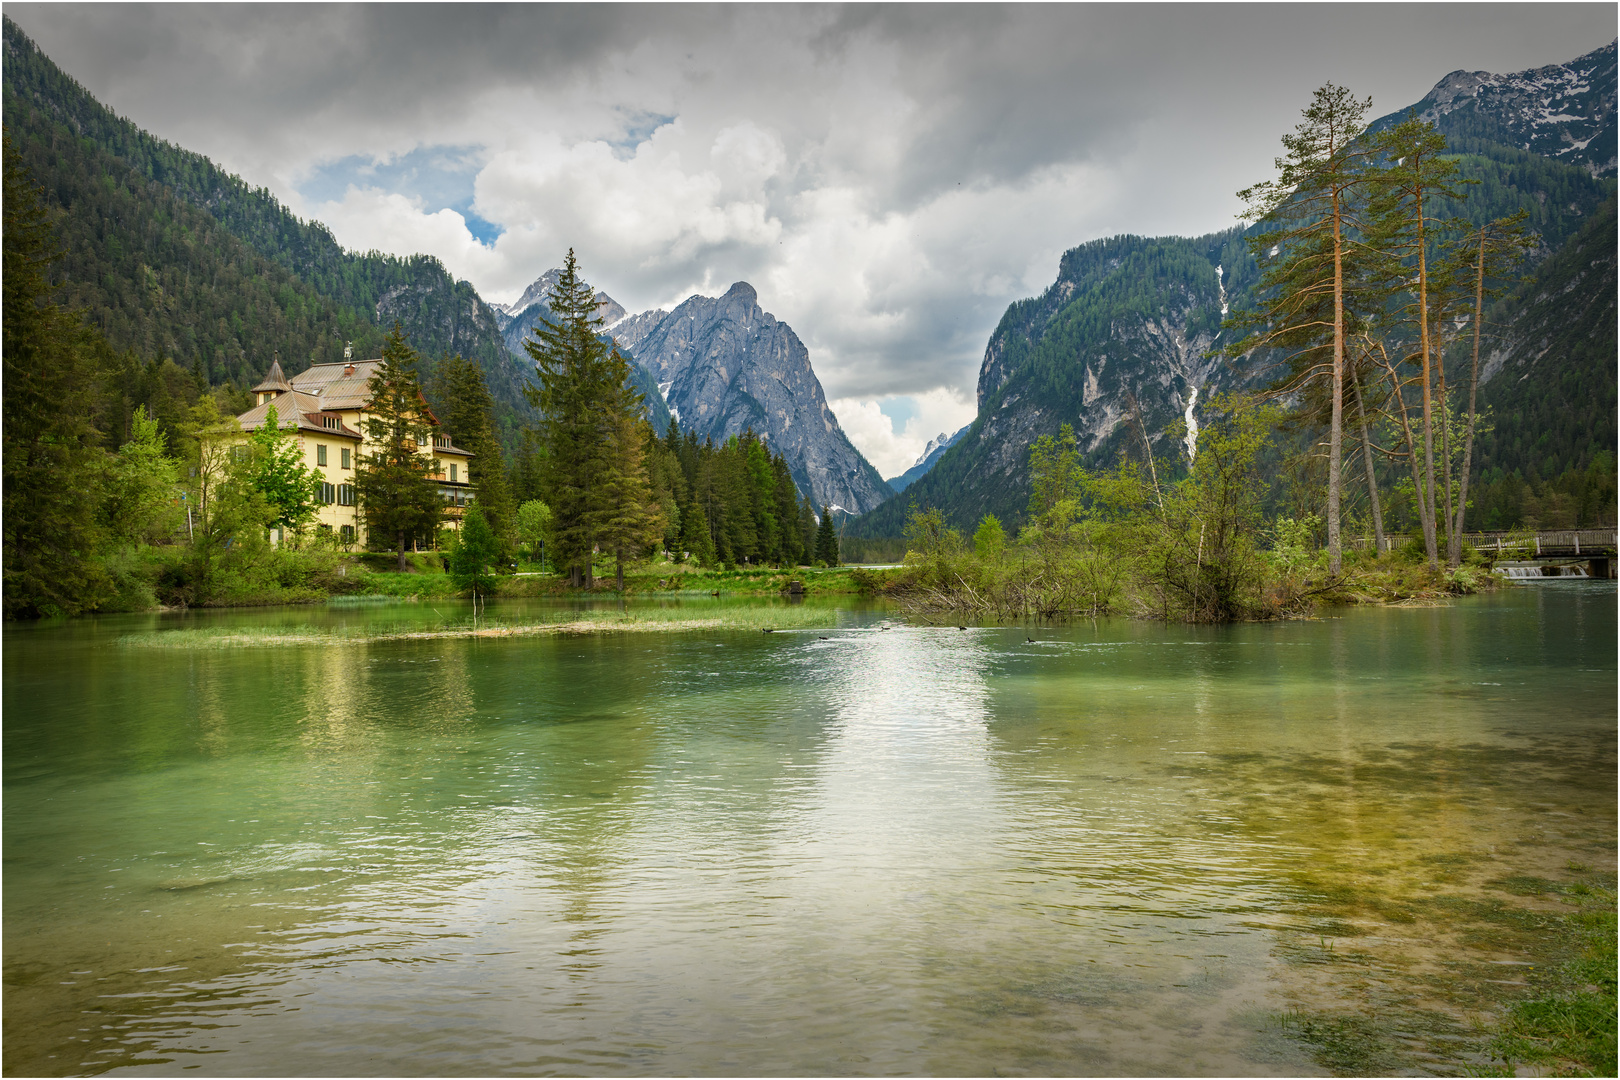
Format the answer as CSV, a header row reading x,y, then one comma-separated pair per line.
x,y
1115,849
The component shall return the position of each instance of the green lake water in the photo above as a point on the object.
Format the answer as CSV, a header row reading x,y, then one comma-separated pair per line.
x,y
1120,848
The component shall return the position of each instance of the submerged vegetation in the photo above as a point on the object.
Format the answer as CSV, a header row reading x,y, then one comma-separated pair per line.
x,y
773,619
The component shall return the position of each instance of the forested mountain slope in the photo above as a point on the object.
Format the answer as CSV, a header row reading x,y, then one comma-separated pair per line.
x,y
1551,379
1127,318
150,227
1562,111
1133,318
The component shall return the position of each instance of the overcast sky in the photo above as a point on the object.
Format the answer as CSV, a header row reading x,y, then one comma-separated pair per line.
x,y
888,178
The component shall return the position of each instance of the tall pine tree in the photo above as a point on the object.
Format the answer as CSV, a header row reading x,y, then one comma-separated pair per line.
x,y
1308,214
827,539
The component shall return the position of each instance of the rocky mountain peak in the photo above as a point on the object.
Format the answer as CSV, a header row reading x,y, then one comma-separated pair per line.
x,y
724,365
539,292
1563,111
933,444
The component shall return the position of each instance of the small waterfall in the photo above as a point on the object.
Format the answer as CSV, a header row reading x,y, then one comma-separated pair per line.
x,y
1192,427
1538,573
1220,283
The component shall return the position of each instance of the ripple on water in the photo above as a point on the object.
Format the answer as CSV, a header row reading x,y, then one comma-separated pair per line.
x,y
1119,849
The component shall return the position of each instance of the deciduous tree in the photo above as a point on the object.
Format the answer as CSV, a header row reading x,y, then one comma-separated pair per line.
x,y
291,491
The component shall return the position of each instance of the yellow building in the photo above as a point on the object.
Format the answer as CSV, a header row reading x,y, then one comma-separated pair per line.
x,y
328,404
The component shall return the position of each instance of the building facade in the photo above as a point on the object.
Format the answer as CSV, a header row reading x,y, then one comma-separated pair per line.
x,y
323,409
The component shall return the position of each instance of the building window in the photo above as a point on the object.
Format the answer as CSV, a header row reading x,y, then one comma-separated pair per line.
x,y
239,452
320,455
347,532
452,474
344,454
345,494
328,494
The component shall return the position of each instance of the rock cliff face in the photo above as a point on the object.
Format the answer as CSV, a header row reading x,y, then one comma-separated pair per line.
x,y
725,365
1129,319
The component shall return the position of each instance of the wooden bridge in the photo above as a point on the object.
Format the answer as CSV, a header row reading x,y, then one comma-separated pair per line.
x,y
1597,547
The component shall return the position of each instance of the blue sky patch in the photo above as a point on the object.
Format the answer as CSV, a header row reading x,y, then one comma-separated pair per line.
x,y
440,176
638,128
898,410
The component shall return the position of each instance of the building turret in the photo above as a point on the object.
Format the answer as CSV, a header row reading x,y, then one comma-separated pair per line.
x,y
273,385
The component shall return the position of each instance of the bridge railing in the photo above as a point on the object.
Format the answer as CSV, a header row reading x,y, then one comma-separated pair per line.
x,y
1508,544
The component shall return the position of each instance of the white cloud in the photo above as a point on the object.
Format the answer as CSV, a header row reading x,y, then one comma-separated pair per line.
x,y
888,177
938,411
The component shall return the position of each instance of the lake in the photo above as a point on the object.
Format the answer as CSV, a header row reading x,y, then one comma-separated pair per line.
x,y
1118,848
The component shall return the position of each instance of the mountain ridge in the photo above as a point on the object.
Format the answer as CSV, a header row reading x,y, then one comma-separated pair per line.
x,y
1121,357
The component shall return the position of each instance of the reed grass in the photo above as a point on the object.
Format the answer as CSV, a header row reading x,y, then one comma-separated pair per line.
x,y
645,620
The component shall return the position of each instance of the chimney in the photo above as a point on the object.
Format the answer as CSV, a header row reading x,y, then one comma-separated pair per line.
x,y
348,358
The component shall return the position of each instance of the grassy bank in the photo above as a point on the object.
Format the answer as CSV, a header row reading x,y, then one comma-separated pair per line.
x,y
686,578
1569,1029
775,619
162,576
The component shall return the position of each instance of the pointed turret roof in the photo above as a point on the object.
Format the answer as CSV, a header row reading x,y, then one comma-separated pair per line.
x,y
273,380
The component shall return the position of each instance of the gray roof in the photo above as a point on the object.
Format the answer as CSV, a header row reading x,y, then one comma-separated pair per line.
x,y
291,406
328,389
273,379
339,386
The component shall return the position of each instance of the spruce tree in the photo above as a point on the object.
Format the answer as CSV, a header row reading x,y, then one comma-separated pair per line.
x,y
393,481
631,521
807,529
827,539
474,554
467,411
52,456
577,400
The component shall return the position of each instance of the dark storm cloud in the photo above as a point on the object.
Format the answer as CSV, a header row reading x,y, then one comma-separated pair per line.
x,y
888,177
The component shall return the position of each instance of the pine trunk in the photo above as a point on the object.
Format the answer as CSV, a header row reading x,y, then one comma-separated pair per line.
x,y
1425,490
1473,400
1372,479
1445,437
1336,428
